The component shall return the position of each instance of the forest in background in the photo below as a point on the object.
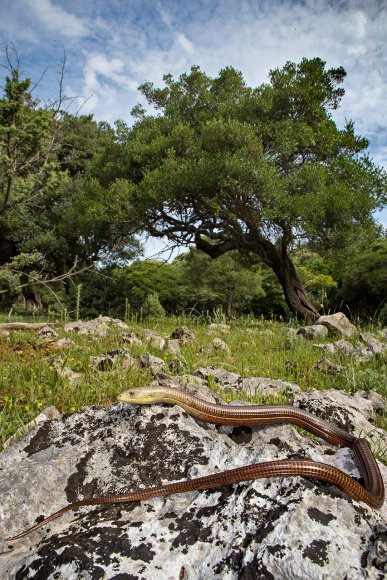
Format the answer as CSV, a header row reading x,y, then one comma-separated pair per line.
x,y
272,201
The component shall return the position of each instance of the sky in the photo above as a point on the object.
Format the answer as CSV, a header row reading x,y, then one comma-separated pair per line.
x,y
113,46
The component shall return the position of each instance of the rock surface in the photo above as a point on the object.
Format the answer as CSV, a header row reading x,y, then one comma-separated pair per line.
x,y
98,326
229,381
338,323
271,528
314,331
354,414
47,333
362,350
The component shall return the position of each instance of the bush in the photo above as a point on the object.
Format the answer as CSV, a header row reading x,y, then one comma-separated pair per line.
x,y
152,307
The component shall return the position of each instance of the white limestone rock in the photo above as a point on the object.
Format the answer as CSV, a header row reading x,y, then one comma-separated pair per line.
x,y
98,326
354,414
47,333
271,528
338,323
148,361
313,332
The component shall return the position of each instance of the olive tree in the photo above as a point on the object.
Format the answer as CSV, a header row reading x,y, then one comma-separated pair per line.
x,y
228,167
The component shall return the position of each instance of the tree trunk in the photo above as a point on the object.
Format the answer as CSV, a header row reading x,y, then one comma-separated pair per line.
x,y
31,297
294,292
277,260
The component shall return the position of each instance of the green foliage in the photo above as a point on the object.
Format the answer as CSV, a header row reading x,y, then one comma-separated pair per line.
x,y
51,204
229,167
363,279
230,281
152,307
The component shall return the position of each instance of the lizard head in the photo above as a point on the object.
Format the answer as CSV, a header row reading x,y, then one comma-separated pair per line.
x,y
141,395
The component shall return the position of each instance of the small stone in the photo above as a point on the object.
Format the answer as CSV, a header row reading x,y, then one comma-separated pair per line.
x,y
177,366
267,387
131,339
47,333
183,333
327,366
173,346
215,345
313,332
373,344
156,341
223,378
61,343
218,328
106,361
153,363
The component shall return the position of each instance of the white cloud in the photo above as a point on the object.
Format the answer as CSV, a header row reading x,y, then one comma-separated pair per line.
x,y
184,42
153,38
57,19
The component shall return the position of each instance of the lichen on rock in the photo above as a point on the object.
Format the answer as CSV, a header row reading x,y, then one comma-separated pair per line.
x,y
270,528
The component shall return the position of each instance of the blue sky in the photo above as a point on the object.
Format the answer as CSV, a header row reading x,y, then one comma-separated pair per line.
x,y
113,46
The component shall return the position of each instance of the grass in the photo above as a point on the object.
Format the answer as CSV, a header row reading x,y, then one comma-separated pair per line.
x,y
29,382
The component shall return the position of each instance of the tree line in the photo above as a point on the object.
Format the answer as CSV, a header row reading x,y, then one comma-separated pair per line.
x,y
272,201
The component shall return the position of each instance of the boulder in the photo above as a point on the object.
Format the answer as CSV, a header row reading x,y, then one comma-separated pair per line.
x,y
338,323
288,527
46,414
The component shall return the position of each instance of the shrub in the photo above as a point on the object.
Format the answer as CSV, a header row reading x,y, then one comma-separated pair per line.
x,y
151,307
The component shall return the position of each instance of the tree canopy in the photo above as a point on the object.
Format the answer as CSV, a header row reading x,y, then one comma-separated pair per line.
x,y
53,211
228,167
234,170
